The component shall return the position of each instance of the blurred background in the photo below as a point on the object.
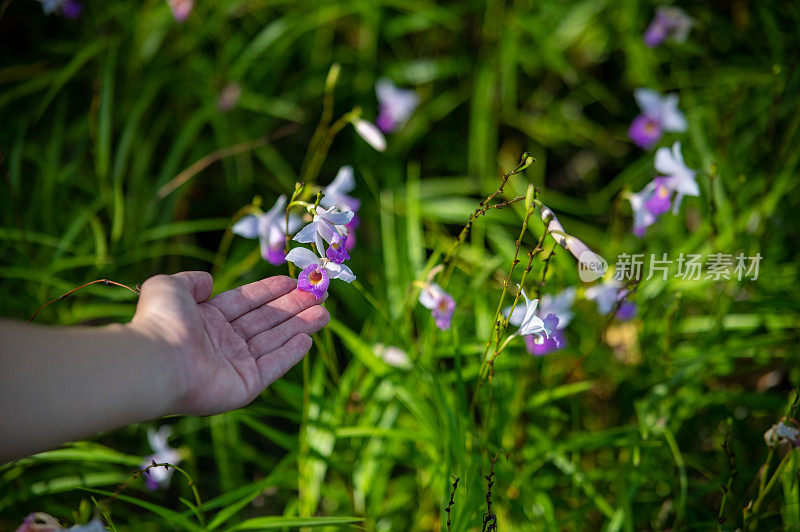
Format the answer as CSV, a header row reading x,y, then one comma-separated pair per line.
x,y
622,429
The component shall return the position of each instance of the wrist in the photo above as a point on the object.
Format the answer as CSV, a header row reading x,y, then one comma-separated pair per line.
x,y
165,377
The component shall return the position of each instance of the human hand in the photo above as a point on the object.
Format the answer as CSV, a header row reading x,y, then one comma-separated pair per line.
x,y
224,351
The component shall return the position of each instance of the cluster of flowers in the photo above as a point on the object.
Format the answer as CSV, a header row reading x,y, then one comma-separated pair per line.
x,y
331,231
660,114
72,8
541,322
42,522
333,222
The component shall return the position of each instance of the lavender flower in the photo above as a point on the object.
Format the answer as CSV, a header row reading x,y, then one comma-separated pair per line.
x,y
270,229
317,271
669,22
556,313
527,319
659,200
314,279
441,304
180,9
659,114
351,227
67,8
337,251
395,105
642,216
336,192
679,177
327,224
557,340
607,294
649,203
158,477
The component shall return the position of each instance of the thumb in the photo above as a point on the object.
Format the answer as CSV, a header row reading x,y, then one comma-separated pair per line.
x,y
199,284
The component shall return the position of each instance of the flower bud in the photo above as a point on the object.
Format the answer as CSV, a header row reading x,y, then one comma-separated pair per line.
x,y
529,194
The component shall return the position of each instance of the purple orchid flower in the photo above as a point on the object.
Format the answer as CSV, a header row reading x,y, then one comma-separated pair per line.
x,y
607,294
336,192
314,279
441,304
659,114
526,317
270,229
556,313
158,477
327,224
642,216
668,23
679,177
395,105
317,271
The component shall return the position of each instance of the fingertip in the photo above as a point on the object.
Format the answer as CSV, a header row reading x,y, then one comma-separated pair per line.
x,y
317,317
303,343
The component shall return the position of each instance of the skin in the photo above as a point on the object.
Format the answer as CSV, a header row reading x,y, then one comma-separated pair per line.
x,y
182,353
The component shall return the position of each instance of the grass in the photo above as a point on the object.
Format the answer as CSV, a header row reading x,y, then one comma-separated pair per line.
x,y
621,430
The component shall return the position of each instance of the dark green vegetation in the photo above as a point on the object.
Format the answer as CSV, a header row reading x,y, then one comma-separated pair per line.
x,y
621,430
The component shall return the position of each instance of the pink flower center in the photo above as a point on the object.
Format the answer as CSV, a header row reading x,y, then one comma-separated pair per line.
x,y
315,277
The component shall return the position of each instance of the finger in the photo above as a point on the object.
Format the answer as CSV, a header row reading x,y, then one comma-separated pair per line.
x,y
308,322
200,284
273,365
238,301
274,313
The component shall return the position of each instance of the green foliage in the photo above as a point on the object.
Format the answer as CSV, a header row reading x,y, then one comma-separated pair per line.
x,y
621,430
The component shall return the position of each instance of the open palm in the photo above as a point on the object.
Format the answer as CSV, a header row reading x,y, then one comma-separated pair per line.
x,y
229,348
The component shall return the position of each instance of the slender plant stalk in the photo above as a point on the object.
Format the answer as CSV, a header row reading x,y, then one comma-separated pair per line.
x,y
206,161
84,285
751,513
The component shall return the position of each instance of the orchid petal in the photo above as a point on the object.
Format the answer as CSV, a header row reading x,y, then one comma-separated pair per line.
x,y
340,271
302,257
247,226
649,102
307,233
370,133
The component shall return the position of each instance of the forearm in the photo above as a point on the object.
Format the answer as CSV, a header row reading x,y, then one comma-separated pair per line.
x,y
61,384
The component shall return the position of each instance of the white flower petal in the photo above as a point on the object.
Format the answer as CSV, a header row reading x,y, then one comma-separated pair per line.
x,y
430,295
277,210
247,226
370,133
307,233
671,117
343,182
649,101
302,257
554,227
340,271
517,316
